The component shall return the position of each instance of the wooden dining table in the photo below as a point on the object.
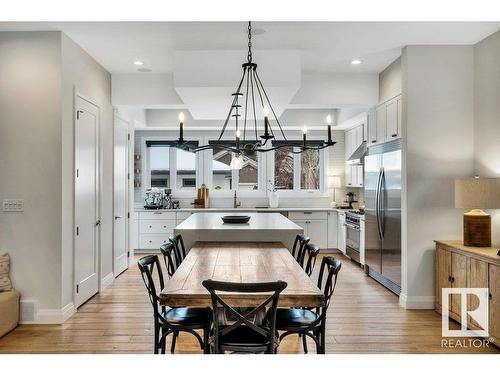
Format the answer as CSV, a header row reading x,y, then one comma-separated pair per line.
x,y
244,262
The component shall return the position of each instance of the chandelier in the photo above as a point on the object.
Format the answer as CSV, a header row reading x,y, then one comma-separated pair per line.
x,y
249,99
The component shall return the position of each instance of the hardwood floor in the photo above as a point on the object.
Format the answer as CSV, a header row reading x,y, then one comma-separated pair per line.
x,y
363,318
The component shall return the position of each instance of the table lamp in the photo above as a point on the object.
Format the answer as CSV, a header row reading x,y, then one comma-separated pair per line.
x,y
477,194
334,182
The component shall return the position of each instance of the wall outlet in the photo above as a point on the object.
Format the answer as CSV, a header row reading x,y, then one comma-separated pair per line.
x,y
13,205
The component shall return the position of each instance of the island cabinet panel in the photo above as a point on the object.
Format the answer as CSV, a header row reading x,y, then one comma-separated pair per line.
x,y
332,230
494,296
478,278
459,266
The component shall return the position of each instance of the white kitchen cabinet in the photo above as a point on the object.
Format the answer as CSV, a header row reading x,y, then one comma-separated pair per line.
x,y
353,139
332,222
314,224
372,126
354,175
341,232
385,121
381,123
392,120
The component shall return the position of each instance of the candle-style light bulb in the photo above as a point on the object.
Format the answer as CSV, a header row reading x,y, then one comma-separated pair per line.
x,y
181,127
238,134
265,111
329,123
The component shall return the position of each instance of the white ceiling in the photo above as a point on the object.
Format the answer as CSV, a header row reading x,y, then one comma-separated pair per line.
x,y
323,46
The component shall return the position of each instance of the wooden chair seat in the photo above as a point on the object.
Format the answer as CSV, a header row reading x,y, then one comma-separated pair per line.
x,y
192,317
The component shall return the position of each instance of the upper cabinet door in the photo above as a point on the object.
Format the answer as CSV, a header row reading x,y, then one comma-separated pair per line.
x,y
372,126
381,123
358,136
392,130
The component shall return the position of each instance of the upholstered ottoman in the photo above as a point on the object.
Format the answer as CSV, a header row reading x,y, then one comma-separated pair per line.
x,y
9,311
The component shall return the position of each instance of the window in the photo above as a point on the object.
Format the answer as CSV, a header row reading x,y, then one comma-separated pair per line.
x,y
159,166
168,167
301,171
226,179
185,169
309,170
283,168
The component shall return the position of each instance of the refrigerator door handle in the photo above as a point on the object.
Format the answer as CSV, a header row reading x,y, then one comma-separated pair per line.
x,y
377,197
381,204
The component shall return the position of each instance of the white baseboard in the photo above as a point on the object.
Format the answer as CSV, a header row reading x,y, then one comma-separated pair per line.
x,y
417,302
52,316
107,280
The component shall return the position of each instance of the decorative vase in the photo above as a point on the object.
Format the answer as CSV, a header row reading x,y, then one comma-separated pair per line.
x,y
273,199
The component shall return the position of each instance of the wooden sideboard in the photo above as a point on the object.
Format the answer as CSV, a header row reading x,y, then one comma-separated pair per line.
x,y
459,266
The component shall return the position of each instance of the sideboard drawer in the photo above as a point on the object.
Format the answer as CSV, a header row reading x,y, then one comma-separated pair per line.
x,y
157,215
153,241
156,226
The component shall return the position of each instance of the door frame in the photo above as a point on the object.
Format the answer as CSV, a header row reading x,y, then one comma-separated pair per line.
x,y
128,191
77,94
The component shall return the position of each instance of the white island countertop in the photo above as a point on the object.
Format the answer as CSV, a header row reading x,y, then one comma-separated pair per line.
x,y
262,227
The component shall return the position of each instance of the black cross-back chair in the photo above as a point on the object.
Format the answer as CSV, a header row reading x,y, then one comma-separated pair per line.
x,y
311,251
245,335
170,258
299,245
180,250
306,322
174,320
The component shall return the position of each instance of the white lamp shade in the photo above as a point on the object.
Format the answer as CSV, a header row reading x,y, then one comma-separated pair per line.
x,y
477,193
334,182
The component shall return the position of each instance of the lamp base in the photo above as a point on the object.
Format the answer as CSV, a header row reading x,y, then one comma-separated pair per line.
x,y
477,229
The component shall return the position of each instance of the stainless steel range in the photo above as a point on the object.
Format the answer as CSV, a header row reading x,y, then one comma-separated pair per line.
x,y
353,234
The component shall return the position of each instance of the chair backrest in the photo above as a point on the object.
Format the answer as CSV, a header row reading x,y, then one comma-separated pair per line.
x,y
170,258
312,252
150,268
221,307
330,268
180,250
299,244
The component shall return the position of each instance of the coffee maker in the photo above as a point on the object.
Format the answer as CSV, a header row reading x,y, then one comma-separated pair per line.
x,y
157,198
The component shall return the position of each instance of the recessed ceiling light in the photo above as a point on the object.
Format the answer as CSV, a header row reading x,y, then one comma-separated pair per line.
x,y
138,63
355,62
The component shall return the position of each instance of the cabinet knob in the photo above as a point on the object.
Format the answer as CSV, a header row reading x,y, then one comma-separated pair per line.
x,y
490,296
374,140
151,226
150,241
449,278
452,279
394,135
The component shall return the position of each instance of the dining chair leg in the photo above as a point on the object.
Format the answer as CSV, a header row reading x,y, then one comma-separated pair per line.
x,y
323,339
206,339
156,338
174,340
304,343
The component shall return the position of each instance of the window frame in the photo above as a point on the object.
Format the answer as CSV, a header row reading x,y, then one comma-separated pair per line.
x,y
297,191
146,175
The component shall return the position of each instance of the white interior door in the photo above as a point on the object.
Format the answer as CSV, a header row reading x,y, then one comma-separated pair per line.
x,y
121,163
86,200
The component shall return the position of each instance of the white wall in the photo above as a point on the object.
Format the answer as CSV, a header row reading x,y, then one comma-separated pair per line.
x,y
30,160
487,115
437,148
81,73
390,81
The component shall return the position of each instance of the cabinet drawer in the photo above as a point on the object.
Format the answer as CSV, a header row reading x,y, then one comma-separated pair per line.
x,y
306,215
153,241
156,226
157,215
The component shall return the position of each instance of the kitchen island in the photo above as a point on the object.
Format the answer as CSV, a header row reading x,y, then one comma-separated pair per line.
x,y
262,227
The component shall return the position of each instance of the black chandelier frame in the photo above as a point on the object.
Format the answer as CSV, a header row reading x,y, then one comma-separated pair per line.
x,y
254,92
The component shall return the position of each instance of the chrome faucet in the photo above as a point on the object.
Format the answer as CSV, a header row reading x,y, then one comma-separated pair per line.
x,y
236,204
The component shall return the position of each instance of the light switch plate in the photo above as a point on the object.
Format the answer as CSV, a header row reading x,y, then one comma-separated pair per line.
x,y
13,205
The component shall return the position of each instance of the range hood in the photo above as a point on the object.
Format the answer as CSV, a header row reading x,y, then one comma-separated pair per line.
x,y
358,155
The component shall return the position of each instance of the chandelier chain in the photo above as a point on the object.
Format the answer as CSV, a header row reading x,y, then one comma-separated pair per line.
x,y
249,56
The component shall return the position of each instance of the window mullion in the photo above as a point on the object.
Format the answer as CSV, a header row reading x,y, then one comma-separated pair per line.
x,y
173,168
296,171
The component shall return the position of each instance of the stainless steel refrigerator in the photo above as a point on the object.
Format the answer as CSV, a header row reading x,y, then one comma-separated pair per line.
x,y
383,214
